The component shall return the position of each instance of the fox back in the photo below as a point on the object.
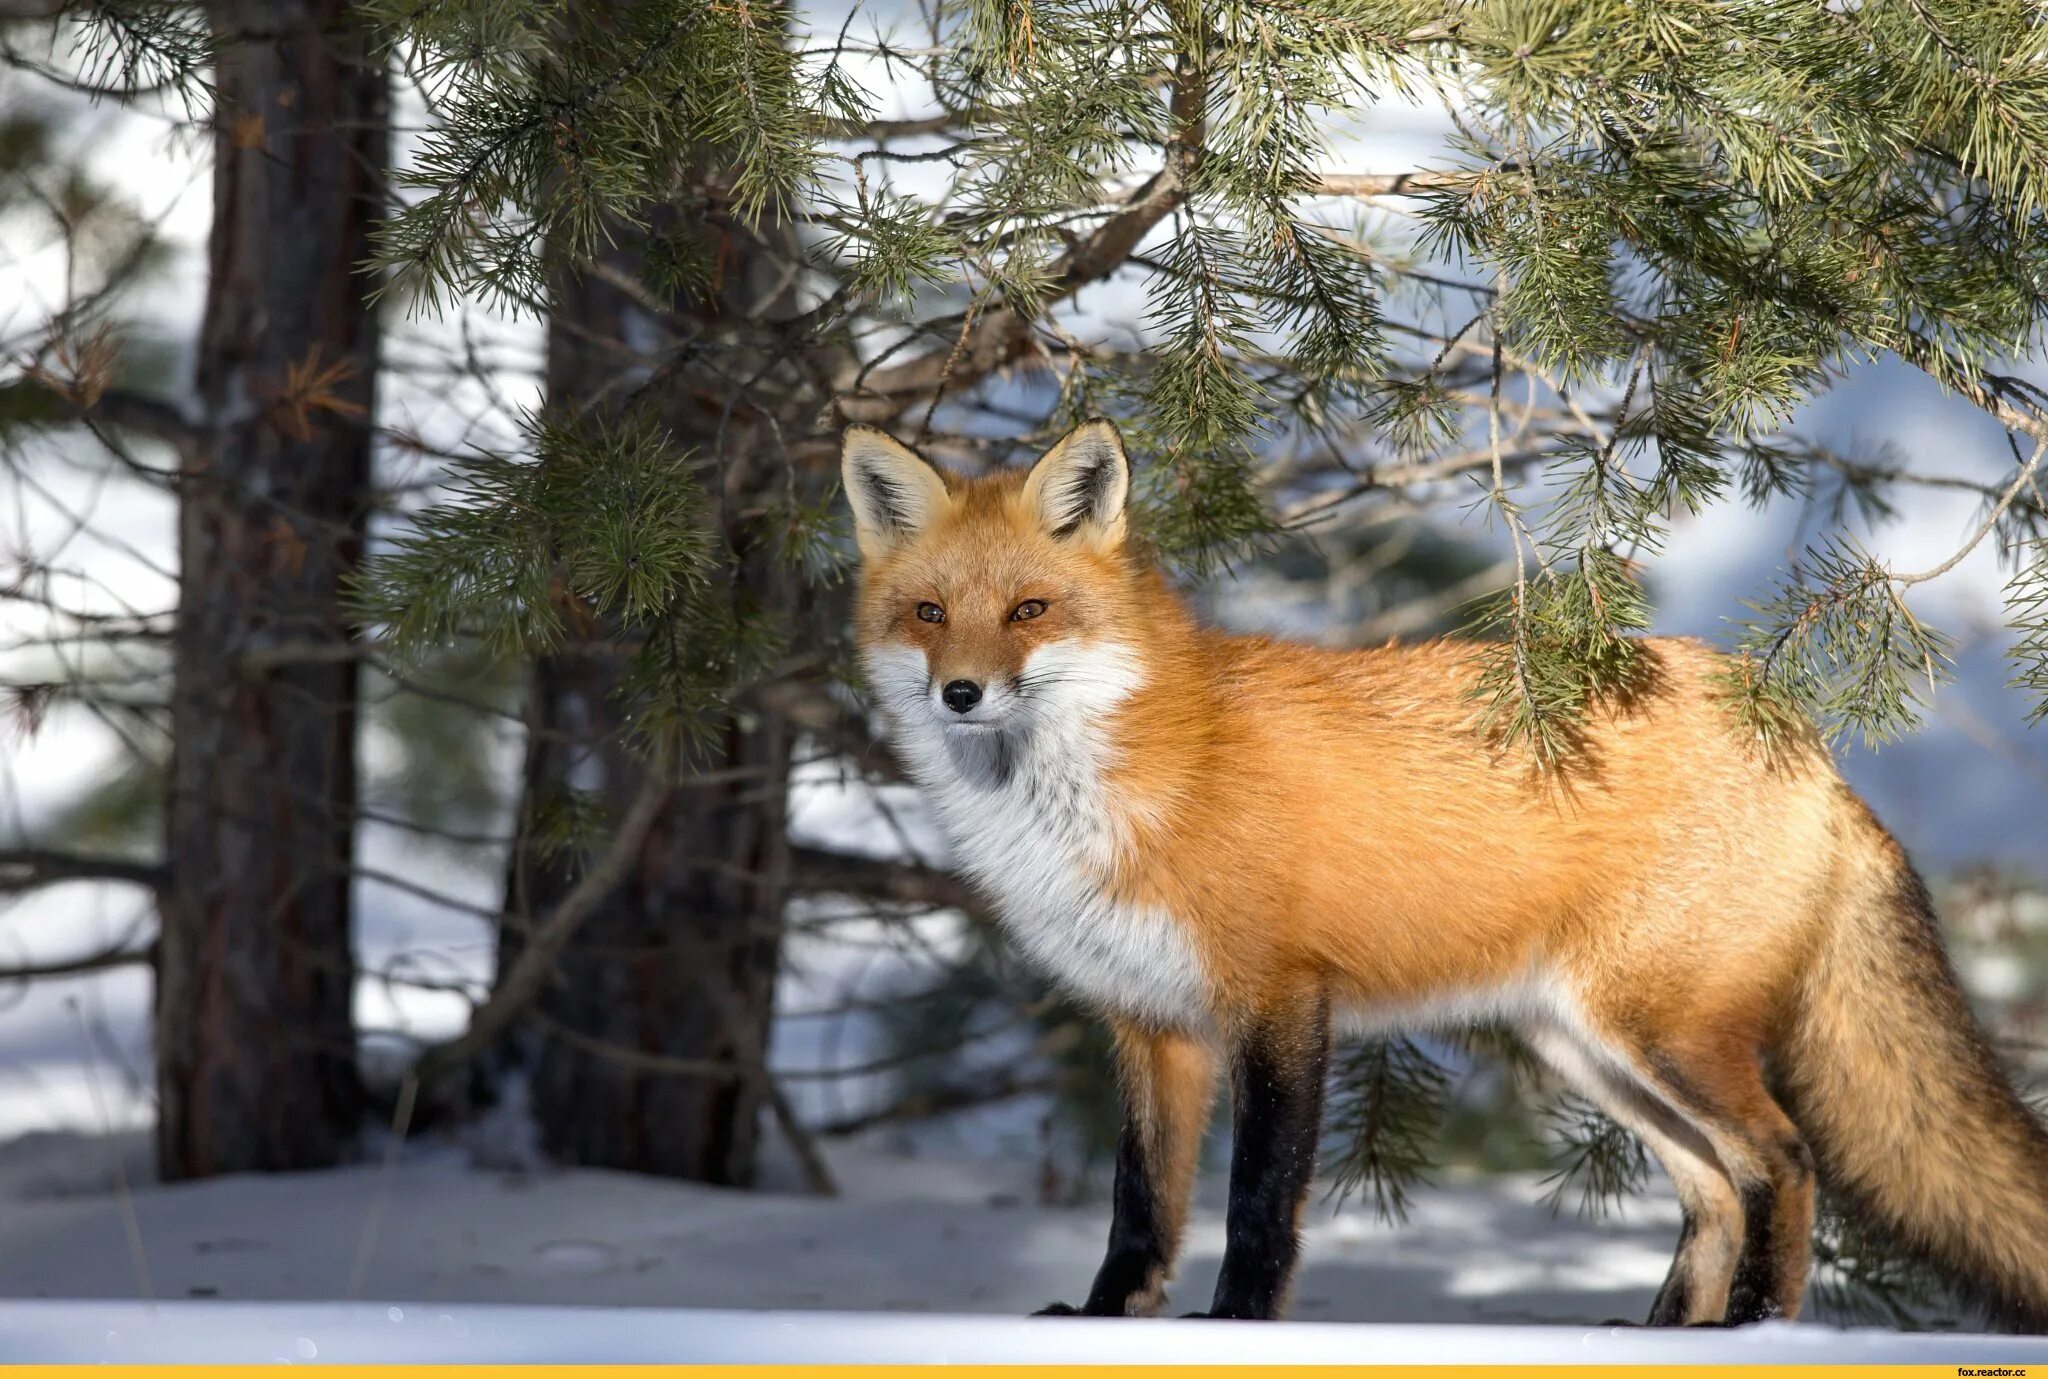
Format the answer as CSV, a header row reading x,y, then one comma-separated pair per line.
x,y
1185,825
1216,840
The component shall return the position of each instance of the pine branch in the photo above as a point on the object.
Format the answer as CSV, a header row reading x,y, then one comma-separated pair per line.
x,y
926,1103
907,883
145,415
1368,184
2027,599
121,408
1387,1098
1606,1162
1861,1280
1002,334
106,960
23,869
1984,528
1990,392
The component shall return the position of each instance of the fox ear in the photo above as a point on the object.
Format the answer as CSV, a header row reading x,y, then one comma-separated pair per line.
x,y
1079,487
895,493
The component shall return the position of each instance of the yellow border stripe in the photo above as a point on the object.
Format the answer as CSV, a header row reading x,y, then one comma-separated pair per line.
x,y
1061,1371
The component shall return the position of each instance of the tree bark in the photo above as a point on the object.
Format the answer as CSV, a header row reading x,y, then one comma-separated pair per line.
x,y
679,961
256,1065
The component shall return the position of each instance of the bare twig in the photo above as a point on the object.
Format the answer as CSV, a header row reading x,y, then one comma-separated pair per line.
x,y
107,960
373,1223
822,870
24,869
1985,527
522,982
1005,1086
131,1223
1370,184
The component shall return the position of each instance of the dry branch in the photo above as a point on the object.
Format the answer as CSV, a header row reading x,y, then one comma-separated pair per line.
x,y
1002,334
516,990
875,878
23,869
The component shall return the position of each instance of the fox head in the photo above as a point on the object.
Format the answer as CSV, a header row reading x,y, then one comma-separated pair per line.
x,y
991,605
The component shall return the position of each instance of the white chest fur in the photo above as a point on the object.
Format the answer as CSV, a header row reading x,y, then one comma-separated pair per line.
x,y
1026,811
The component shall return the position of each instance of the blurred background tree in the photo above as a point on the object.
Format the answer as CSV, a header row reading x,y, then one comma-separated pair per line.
x,y
1653,235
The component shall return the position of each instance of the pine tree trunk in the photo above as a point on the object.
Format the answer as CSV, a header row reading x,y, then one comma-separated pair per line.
x,y
679,963
255,1044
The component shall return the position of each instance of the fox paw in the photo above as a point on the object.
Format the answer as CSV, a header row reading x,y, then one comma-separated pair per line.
x,y
1057,1309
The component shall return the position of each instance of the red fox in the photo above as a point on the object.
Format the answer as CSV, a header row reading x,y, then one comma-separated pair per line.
x,y
1223,844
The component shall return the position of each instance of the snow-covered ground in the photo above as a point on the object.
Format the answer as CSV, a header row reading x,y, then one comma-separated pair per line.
x,y
413,1261
431,1257
367,1333
906,1234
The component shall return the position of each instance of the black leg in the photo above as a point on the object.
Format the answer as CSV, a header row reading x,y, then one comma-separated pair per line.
x,y
1277,1087
1169,1085
1674,1299
1753,1297
1137,1260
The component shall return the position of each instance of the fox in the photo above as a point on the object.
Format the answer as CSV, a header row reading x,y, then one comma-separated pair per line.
x,y
1229,846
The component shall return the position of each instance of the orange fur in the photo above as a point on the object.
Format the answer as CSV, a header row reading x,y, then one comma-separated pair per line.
x,y
1339,822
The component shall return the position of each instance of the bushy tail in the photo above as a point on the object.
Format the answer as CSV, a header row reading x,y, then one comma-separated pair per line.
x,y
1911,1122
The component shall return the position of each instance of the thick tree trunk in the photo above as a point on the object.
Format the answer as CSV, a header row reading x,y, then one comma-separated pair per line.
x,y
255,1045
678,963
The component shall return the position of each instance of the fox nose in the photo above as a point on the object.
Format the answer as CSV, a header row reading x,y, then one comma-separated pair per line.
x,y
961,695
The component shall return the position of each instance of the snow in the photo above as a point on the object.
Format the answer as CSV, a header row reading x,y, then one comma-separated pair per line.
x,y
476,1254
921,1258
371,1333
908,1233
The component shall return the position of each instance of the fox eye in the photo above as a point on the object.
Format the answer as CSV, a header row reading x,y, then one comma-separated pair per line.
x,y
931,612
1028,610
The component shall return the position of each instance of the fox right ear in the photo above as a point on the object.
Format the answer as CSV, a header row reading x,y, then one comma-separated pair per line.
x,y
895,493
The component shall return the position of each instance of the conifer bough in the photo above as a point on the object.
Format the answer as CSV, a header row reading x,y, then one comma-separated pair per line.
x,y
1657,230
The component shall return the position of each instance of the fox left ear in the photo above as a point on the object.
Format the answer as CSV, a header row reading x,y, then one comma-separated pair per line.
x,y
1080,486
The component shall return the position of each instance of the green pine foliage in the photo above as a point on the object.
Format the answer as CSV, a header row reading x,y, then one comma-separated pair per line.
x,y
2027,597
130,49
1387,1098
1664,228
551,132
1862,1280
601,535
1741,199
1599,1162
1836,644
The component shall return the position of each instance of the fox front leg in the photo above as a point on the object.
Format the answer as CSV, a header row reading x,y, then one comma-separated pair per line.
x,y
1169,1084
1277,1090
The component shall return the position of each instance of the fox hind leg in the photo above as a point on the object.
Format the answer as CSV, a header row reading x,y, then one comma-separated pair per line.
x,y
1718,1086
1704,1264
1777,1204
1708,1255
1743,1174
